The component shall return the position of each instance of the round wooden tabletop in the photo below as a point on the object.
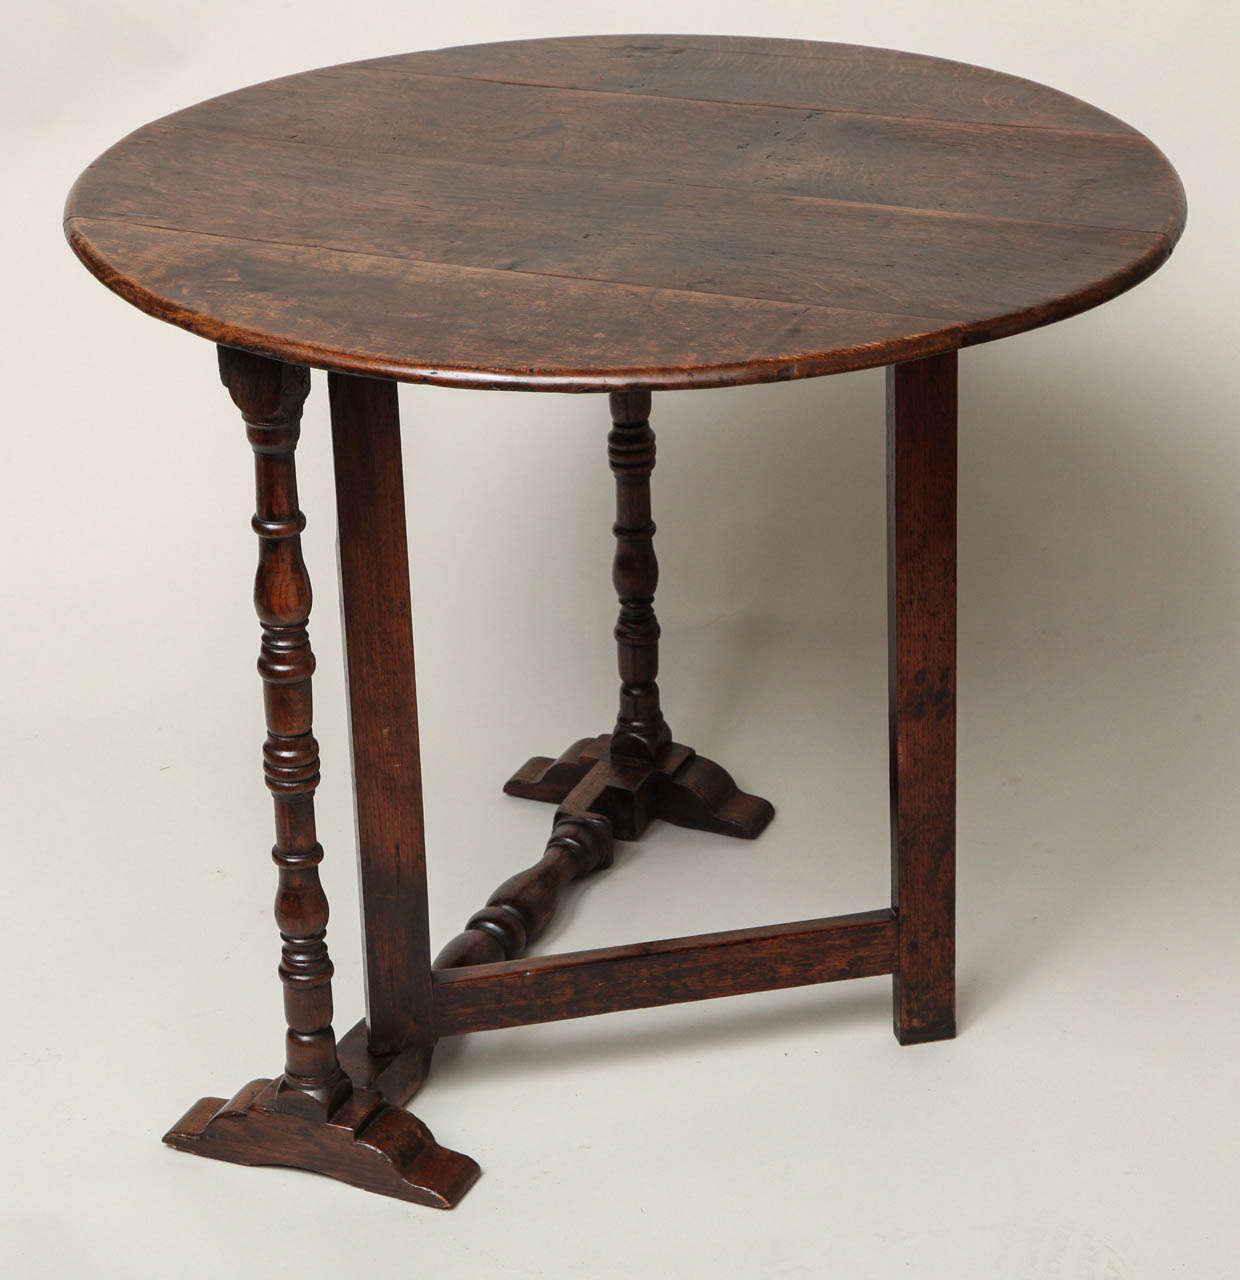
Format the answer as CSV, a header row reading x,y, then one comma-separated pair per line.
x,y
626,211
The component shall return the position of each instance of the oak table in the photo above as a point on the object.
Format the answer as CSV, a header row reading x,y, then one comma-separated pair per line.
x,y
619,214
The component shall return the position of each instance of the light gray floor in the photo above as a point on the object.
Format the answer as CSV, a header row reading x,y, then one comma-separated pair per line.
x,y
1083,1125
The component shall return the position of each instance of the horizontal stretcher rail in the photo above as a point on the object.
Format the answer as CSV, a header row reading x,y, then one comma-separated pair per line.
x,y
514,993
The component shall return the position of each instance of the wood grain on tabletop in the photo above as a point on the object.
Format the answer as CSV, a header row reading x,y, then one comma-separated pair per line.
x,y
613,212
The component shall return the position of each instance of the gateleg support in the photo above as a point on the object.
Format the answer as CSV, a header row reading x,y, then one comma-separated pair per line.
x,y
921,635
377,620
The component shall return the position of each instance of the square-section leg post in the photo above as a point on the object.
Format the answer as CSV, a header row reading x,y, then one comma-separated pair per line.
x,y
921,641
383,711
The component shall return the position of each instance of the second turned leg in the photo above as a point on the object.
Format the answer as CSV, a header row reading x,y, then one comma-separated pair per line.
x,y
616,784
640,732
637,773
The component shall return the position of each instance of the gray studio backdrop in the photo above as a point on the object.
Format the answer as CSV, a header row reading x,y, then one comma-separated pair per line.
x,y
1083,1123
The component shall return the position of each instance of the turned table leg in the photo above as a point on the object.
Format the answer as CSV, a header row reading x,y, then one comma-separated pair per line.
x,y
636,773
921,635
615,785
314,1116
640,732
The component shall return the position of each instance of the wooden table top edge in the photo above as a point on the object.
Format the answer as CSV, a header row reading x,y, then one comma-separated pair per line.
x,y
946,337
931,335
305,226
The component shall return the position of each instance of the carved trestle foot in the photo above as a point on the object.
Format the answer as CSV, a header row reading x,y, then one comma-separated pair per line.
x,y
617,784
368,1142
336,1108
637,773
678,786
601,796
365,1142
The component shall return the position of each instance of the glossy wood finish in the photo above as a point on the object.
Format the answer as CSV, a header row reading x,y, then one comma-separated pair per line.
x,y
396,1076
921,646
522,907
315,1116
364,1142
597,213
383,710
626,212
641,731
270,397
679,786
636,773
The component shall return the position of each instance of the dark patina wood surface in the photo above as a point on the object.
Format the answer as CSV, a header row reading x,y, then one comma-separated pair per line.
x,y
614,214
333,1112
625,211
921,691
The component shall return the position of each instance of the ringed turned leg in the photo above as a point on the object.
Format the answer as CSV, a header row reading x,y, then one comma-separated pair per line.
x,y
637,773
313,1116
921,636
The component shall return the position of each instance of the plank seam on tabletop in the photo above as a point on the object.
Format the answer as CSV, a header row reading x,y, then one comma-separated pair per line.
x,y
920,210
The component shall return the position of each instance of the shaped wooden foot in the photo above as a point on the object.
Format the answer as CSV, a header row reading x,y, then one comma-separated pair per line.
x,y
678,786
332,1110
364,1142
637,773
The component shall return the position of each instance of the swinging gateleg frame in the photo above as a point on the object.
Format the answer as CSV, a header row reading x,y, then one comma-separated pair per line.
x,y
337,1107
